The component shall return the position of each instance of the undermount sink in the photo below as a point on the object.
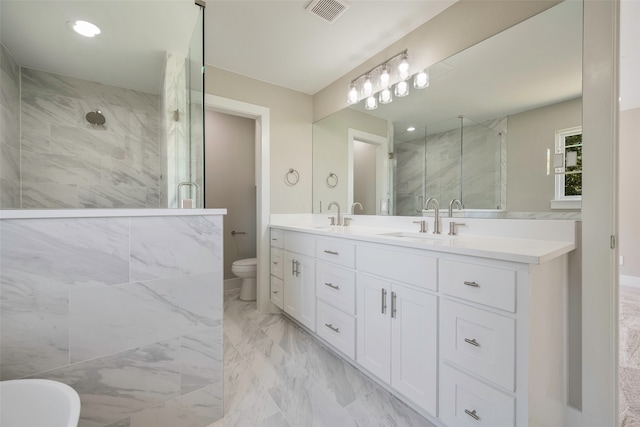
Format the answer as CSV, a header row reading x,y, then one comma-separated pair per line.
x,y
38,403
416,235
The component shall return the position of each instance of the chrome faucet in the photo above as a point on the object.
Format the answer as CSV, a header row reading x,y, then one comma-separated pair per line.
x,y
353,207
454,202
436,208
337,205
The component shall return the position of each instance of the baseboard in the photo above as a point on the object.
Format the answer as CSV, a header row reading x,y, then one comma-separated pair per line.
x,y
630,281
232,284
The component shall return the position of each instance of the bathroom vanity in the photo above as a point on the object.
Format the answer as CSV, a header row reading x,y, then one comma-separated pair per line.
x,y
467,329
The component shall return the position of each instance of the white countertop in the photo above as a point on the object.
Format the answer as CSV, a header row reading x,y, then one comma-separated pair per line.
x,y
523,250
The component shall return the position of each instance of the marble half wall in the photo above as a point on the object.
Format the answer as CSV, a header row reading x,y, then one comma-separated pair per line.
x,y
126,310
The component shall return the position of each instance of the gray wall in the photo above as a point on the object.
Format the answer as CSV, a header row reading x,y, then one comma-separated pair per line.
x,y
529,188
69,163
230,181
126,310
629,192
9,131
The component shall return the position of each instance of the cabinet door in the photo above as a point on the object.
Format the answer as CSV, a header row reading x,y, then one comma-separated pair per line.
x,y
299,288
306,278
414,334
292,293
374,326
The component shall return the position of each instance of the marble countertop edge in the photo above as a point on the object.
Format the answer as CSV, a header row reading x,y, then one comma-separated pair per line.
x,y
103,213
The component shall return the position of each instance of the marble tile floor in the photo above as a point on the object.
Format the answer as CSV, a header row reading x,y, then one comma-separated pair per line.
x,y
277,375
629,367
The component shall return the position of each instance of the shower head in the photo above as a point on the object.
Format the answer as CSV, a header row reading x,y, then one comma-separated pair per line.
x,y
95,117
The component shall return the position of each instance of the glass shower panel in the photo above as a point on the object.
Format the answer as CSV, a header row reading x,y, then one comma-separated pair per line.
x,y
443,161
483,145
184,94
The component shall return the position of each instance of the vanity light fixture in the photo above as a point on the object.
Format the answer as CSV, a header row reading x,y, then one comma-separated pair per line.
x,y
376,84
421,80
84,28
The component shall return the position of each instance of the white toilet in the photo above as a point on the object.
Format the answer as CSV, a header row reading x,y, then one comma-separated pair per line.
x,y
246,270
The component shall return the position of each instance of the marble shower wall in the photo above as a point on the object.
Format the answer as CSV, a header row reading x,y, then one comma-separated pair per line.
x,y
9,131
126,310
69,163
483,185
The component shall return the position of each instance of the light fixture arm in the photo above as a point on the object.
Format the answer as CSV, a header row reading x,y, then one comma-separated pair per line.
x,y
404,52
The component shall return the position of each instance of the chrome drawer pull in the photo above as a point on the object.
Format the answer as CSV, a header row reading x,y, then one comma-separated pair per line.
x,y
384,301
393,304
275,262
472,284
331,252
472,414
332,286
472,342
274,239
330,326
275,292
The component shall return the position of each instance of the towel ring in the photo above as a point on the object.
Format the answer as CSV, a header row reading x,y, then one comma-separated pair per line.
x,y
332,180
292,177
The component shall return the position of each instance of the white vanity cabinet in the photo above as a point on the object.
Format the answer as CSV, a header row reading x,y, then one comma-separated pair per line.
x,y
299,300
277,272
398,323
469,339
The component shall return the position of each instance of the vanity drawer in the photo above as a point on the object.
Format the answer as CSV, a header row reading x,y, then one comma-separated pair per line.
x,y
478,341
338,252
337,328
277,289
406,266
336,286
495,287
465,401
277,238
300,243
277,260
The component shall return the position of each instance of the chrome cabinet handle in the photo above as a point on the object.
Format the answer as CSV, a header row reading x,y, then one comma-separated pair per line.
x,y
472,284
293,267
275,292
384,301
393,304
472,414
333,328
274,239
332,286
275,262
297,268
472,342
331,252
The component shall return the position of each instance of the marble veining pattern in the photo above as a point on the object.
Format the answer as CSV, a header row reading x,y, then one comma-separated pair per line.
x,y
145,353
629,360
53,255
193,250
110,166
9,131
277,375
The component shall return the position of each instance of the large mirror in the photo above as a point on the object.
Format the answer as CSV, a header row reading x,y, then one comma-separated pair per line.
x,y
109,121
484,131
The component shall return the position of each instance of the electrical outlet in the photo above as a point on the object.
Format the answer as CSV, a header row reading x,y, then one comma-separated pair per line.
x,y
621,260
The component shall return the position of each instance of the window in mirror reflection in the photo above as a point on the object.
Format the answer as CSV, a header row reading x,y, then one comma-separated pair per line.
x,y
569,171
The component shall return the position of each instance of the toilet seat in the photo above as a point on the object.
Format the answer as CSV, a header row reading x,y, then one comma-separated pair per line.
x,y
245,265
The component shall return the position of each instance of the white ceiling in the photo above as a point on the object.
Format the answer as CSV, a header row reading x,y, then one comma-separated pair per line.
x,y
269,40
280,42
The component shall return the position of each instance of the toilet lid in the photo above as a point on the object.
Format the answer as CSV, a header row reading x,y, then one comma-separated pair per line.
x,y
246,262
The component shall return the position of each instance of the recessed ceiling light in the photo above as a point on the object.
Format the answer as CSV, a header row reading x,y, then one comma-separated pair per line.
x,y
410,129
84,28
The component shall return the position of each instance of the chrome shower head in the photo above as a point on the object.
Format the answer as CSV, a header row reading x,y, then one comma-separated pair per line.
x,y
95,117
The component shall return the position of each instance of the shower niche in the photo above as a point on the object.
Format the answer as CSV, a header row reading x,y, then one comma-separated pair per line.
x,y
111,121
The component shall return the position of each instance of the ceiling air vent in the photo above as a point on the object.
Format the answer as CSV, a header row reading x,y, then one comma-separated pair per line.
x,y
328,10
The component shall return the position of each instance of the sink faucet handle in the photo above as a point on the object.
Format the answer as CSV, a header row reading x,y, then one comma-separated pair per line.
x,y
346,221
333,220
423,225
452,227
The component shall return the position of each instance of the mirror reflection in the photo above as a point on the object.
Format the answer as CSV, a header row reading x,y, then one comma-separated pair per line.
x,y
483,131
101,106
